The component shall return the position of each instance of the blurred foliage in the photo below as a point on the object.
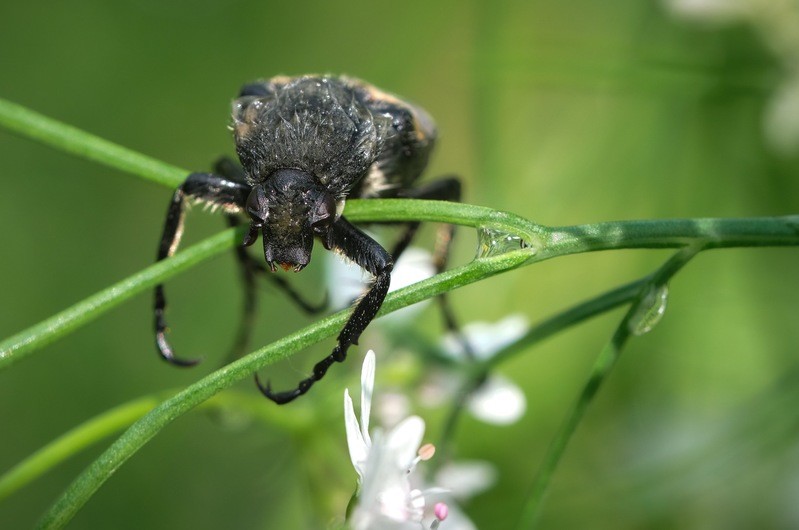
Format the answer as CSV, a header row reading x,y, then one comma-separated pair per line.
x,y
562,112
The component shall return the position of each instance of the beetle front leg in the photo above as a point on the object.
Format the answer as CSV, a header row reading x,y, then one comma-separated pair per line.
x,y
367,253
205,187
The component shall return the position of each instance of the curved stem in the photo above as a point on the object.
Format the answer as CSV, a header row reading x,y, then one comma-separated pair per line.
x,y
578,313
675,233
27,341
73,441
114,420
31,124
545,243
599,373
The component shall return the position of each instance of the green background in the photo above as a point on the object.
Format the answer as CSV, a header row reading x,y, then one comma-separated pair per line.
x,y
563,112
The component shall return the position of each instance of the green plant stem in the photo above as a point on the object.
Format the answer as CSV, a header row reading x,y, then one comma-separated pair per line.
x,y
578,313
550,242
599,373
368,210
63,137
674,233
72,442
25,342
122,416
545,243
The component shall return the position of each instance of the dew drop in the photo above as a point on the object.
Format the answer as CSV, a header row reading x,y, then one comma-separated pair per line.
x,y
650,310
493,242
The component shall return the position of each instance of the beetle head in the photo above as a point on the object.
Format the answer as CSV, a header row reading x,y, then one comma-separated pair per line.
x,y
289,208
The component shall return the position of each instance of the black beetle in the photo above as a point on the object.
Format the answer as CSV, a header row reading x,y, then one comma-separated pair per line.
x,y
306,144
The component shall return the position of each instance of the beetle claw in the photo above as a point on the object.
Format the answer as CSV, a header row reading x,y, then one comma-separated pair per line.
x,y
168,355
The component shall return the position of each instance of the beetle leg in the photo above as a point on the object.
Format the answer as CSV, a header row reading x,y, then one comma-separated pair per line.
x,y
248,271
229,168
205,187
367,253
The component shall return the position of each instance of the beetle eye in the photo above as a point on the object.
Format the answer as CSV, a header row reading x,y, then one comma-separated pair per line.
x,y
253,207
324,213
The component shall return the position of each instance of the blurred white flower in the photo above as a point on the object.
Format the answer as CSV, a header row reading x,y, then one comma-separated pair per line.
x,y
346,281
776,22
782,116
392,407
486,338
457,482
466,478
498,401
386,499
713,11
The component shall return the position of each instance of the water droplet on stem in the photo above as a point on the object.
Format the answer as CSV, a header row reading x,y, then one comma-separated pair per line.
x,y
650,310
493,242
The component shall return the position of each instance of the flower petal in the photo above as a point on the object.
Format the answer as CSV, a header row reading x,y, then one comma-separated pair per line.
x,y
413,266
464,479
367,389
499,401
359,450
486,338
345,280
404,440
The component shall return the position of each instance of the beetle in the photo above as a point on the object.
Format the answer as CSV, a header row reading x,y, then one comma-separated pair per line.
x,y
305,145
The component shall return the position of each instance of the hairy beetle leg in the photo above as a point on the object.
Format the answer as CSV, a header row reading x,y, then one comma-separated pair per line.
x,y
203,187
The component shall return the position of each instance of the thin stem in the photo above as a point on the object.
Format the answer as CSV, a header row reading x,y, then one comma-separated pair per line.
x,y
599,373
27,341
63,137
545,242
114,420
368,210
73,441
674,233
564,320
576,314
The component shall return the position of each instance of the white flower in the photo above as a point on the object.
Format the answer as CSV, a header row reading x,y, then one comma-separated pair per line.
x,y
718,11
498,401
386,499
466,478
486,339
776,24
457,481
